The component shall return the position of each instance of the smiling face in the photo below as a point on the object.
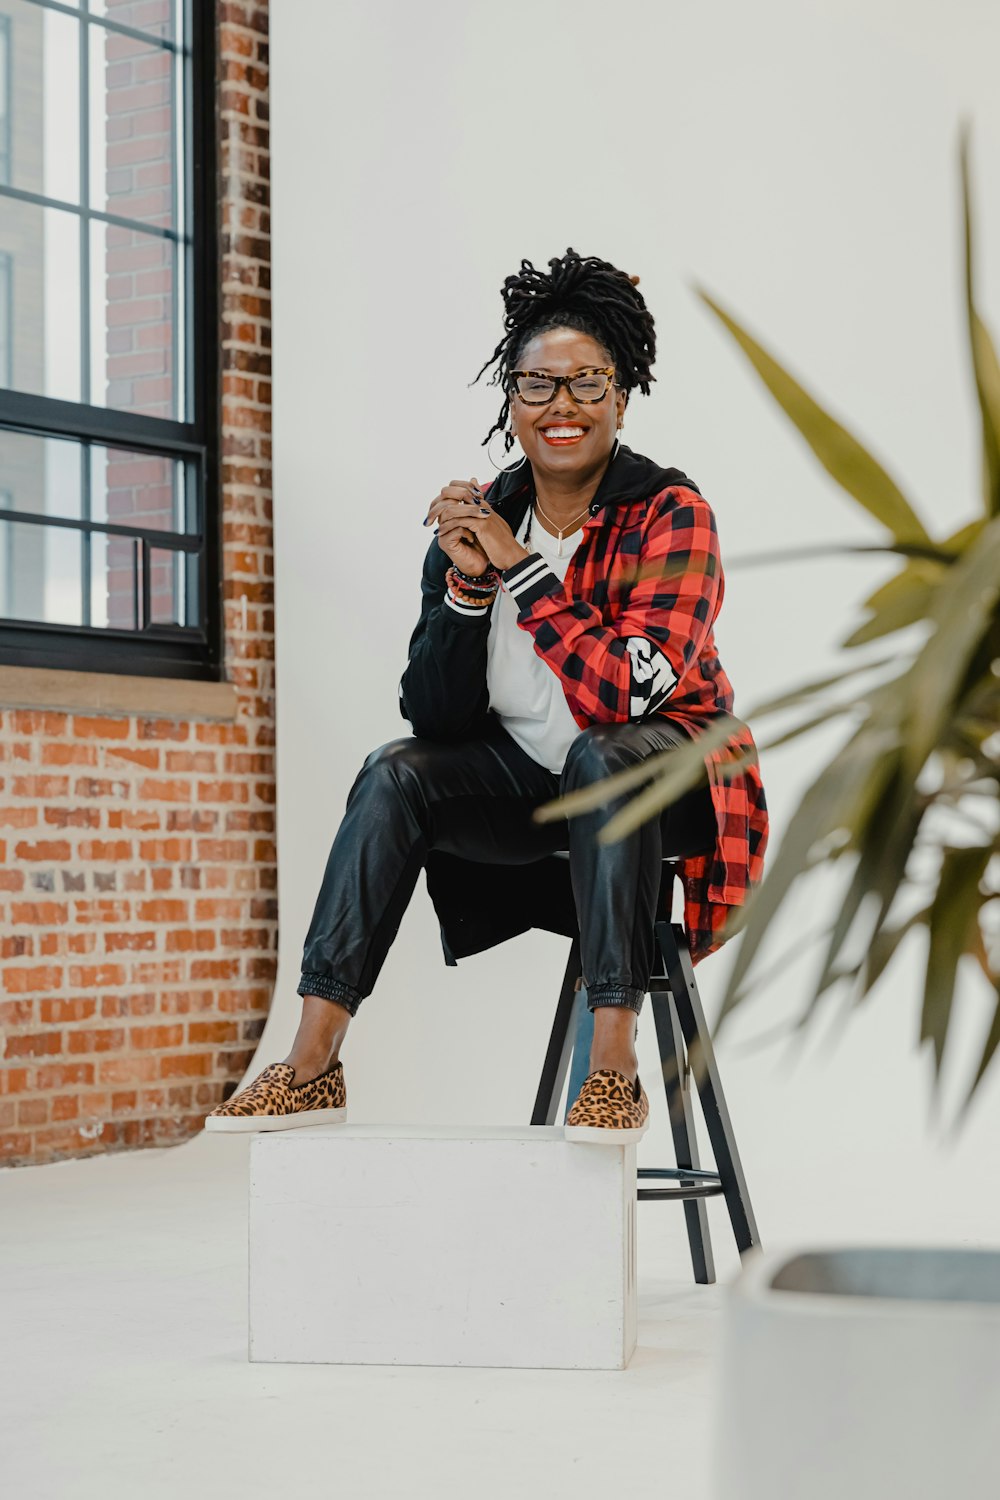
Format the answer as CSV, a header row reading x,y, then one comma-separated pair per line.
x,y
566,438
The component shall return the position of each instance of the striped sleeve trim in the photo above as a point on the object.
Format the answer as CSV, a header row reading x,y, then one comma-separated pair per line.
x,y
469,611
530,579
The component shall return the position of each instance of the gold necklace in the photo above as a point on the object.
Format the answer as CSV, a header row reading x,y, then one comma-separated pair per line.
x,y
566,529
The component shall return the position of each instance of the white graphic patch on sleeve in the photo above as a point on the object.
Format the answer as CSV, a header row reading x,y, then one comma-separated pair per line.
x,y
653,678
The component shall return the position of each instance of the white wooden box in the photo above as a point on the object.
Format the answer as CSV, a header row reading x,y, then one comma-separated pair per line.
x,y
441,1245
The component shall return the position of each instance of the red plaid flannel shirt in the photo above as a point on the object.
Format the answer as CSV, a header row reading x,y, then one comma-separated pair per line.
x,y
630,634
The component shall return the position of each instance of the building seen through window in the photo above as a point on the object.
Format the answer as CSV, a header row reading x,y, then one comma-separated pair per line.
x,y
107,484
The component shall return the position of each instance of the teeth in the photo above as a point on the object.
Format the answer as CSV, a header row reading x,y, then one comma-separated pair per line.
x,y
562,431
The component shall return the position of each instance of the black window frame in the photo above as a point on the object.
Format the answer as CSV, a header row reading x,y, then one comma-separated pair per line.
x,y
158,650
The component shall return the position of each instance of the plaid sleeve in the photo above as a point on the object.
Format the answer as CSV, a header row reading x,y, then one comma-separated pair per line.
x,y
627,669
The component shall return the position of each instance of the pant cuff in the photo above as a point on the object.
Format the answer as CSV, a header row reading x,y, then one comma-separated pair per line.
x,y
329,989
626,995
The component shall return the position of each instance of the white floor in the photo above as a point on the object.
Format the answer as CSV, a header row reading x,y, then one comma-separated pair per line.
x,y
123,1282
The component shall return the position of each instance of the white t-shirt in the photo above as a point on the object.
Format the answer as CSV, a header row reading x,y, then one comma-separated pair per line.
x,y
524,690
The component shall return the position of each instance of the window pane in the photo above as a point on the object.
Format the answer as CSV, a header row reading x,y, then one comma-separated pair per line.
x,y
43,108
170,600
132,124
136,489
132,320
154,16
42,247
40,573
95,313
115,573
5,116
40,475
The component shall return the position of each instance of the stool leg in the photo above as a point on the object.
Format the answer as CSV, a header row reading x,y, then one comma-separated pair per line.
x,y
679,1104
550,1085
680,977
583,1041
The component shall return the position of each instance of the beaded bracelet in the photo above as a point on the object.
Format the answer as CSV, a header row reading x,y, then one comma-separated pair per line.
x,y
491,574
477,593
486,582
478,590
461,597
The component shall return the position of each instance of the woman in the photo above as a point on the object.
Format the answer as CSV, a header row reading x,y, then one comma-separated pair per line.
x,y
566,632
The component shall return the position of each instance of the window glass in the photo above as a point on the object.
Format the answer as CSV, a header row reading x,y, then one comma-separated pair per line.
x,y
41,475
100,290
153,16
41,99
137,489
107,467
42,249
40,576
132,128
95,577
5,61
6,314
133,321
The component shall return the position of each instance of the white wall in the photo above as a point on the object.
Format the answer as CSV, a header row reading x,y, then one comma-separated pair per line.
x,y
798,162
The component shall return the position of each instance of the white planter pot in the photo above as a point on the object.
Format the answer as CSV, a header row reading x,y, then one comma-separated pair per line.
x,y
860,1372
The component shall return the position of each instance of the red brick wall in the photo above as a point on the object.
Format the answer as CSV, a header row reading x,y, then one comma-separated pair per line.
x,y
138,905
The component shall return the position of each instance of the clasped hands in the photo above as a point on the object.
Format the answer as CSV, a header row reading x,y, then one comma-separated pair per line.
x,y
470,531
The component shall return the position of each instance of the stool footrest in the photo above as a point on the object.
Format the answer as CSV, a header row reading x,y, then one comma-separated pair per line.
x,y
691,1182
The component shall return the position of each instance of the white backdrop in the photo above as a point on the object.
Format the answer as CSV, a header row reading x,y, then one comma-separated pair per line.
x,y
799,163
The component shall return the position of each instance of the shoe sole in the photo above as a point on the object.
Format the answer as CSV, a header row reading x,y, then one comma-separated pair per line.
x,y
604,1135
243,1124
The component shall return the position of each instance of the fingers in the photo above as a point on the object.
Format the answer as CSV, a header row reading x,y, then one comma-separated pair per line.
x,y
459,491
452,527
442,509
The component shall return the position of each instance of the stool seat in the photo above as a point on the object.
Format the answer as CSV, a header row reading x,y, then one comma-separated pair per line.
x,y
668,859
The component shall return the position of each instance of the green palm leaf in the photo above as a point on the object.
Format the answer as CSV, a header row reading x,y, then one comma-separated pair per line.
x,y
850,464
989,1051
810,689
883,946
985,365
678,769
836,801
907,608
963,607
954,924
926,743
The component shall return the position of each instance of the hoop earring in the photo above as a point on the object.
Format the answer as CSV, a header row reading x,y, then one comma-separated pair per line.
x,y
511,468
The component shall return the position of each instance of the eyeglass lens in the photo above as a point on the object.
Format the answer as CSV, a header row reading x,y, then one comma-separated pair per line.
x,y
541,388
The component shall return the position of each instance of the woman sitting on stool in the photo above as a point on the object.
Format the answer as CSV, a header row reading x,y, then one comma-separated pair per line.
x,y
565,633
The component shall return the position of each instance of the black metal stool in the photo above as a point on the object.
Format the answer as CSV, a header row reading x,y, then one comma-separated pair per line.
x,y
682,1035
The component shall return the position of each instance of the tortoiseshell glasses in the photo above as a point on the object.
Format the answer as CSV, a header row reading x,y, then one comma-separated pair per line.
x,y
535,388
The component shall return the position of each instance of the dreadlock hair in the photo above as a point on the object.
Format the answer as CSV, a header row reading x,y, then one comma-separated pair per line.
x,y
580,292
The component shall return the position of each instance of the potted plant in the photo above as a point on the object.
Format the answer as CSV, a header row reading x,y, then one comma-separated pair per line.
x,y
912,798
859,1371
868,1371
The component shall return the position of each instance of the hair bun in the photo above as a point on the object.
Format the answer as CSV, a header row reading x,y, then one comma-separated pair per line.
x,y
582,293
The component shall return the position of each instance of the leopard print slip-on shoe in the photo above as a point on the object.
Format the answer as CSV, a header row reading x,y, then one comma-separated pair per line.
x,y
272,1102
609,1110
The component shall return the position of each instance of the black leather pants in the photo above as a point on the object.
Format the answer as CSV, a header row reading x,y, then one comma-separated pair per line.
x,y
474,798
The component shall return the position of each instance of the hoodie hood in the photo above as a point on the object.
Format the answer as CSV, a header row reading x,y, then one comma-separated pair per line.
x,y
628,477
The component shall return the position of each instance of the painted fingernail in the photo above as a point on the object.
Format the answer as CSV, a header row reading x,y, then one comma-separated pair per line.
x,y
484,511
